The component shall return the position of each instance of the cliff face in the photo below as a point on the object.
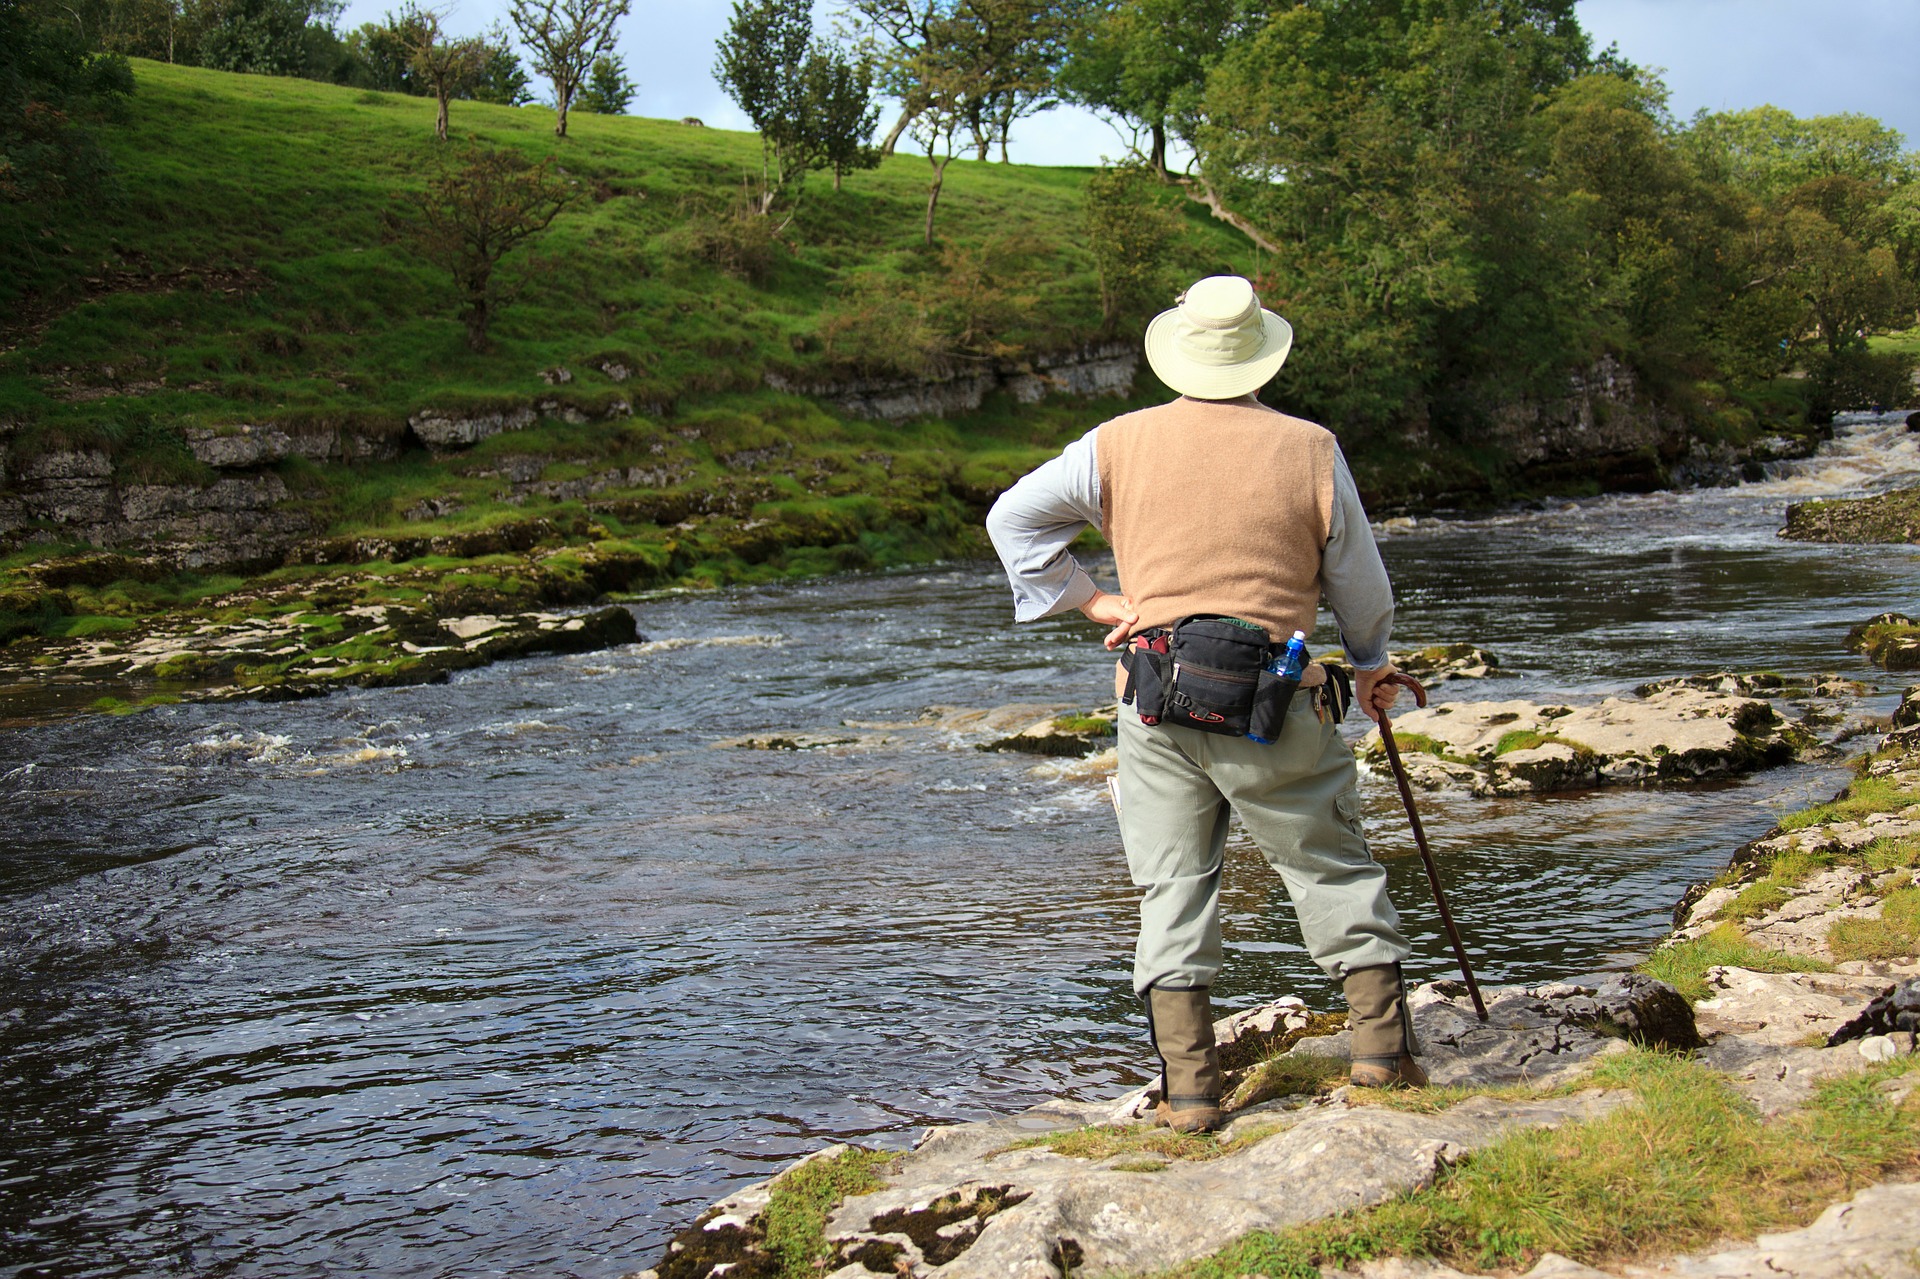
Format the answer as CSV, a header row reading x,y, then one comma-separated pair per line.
x,y
1107,369
241,514
1604,428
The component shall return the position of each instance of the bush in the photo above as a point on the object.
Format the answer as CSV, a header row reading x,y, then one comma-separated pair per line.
x,y
1857,378
733,238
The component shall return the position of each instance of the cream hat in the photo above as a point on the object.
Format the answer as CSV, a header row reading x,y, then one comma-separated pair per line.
x,y
1219,343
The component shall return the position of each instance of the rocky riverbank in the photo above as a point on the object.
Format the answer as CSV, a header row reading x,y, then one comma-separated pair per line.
x,y
1782,983
299,639
1884,518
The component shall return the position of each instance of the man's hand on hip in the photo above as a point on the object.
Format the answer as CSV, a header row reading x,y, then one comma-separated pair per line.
x,y
1116,611
1373,696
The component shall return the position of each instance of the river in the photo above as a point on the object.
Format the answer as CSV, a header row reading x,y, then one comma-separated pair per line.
x,y
513,975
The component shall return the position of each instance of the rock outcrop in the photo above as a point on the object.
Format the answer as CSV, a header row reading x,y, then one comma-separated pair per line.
x,y
276,655
1099,370
1883,518
1678,732
1888,640
1015,1197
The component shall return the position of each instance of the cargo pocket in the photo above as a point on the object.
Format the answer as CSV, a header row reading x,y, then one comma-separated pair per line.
x,y
1353,837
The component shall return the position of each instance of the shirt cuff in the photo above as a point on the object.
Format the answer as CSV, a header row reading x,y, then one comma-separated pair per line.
x,y
1370,660
1078,590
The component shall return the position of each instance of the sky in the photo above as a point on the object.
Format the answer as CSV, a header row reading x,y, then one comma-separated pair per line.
x,y
1812,57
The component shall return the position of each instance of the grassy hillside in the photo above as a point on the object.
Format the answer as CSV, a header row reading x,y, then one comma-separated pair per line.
x,y
257,263
257,266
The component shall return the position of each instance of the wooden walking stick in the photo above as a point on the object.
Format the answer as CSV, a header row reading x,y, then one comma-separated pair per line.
x,y
1420,835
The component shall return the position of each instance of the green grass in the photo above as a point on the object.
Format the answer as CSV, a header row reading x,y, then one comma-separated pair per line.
x,y
1864,797
1896,933
1108,1141
1904,343
1688,1163
796,1215
1422,744
1684,964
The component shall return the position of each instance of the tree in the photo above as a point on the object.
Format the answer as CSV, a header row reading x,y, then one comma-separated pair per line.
x,y
164,30
939,118
54,82
267,37
565,38
1769,152
502,81
384,51
840,111
998,56
1142,59
607,91
761,63
477,212
1131,234
446,68
1011,51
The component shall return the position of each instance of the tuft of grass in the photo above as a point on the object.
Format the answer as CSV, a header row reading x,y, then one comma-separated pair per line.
x,y
1288,1075
795,1220
1866,796
1095,725
1684,965
1422,744
1894,934
1688,1163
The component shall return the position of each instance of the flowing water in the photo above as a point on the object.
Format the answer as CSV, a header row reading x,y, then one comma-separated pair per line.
x,y
513,975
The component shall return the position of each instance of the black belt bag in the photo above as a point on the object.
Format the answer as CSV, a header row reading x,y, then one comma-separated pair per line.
x,y
1209,672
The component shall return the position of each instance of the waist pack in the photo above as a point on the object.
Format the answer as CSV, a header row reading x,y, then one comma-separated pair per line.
x,y
1209,672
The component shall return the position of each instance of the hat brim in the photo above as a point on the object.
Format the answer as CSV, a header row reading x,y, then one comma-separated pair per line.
x,y
1217,381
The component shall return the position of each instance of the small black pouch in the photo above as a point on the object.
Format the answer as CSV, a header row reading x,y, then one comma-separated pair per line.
x,y
1217,665
1148,673
1271,698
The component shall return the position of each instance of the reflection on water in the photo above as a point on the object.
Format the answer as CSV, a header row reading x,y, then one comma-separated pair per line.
x,y
514,974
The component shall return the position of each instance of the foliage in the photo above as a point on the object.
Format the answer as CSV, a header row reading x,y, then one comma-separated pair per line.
x,y
476,213
502,80
1463,207
445,68
1144,60
608,91
981,63
840,111
566,37
761,63
268,37
384,51
1770,152
54,84
811,102
1132,234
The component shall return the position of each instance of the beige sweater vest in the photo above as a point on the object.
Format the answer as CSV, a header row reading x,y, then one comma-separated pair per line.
x,y
1217,507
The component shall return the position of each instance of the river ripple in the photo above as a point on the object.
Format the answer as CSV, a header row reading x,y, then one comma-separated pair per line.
x,y
513,975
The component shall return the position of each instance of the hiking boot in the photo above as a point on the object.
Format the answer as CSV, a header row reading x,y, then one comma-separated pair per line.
x,y
1382,1029
1181,1022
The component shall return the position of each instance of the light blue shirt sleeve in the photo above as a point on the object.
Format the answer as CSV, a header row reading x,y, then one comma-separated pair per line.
x,y
1034,522
1352,576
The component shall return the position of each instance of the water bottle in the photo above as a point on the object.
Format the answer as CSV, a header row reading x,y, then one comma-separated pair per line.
x,y
1289,664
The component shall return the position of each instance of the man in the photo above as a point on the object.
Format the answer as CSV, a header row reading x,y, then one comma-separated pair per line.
x,y
1216,504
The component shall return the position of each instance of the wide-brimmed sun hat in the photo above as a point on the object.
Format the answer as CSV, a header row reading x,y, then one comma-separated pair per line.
x,y
1219,343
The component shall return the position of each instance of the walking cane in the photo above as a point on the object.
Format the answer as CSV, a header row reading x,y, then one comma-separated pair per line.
x,y
1420,835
